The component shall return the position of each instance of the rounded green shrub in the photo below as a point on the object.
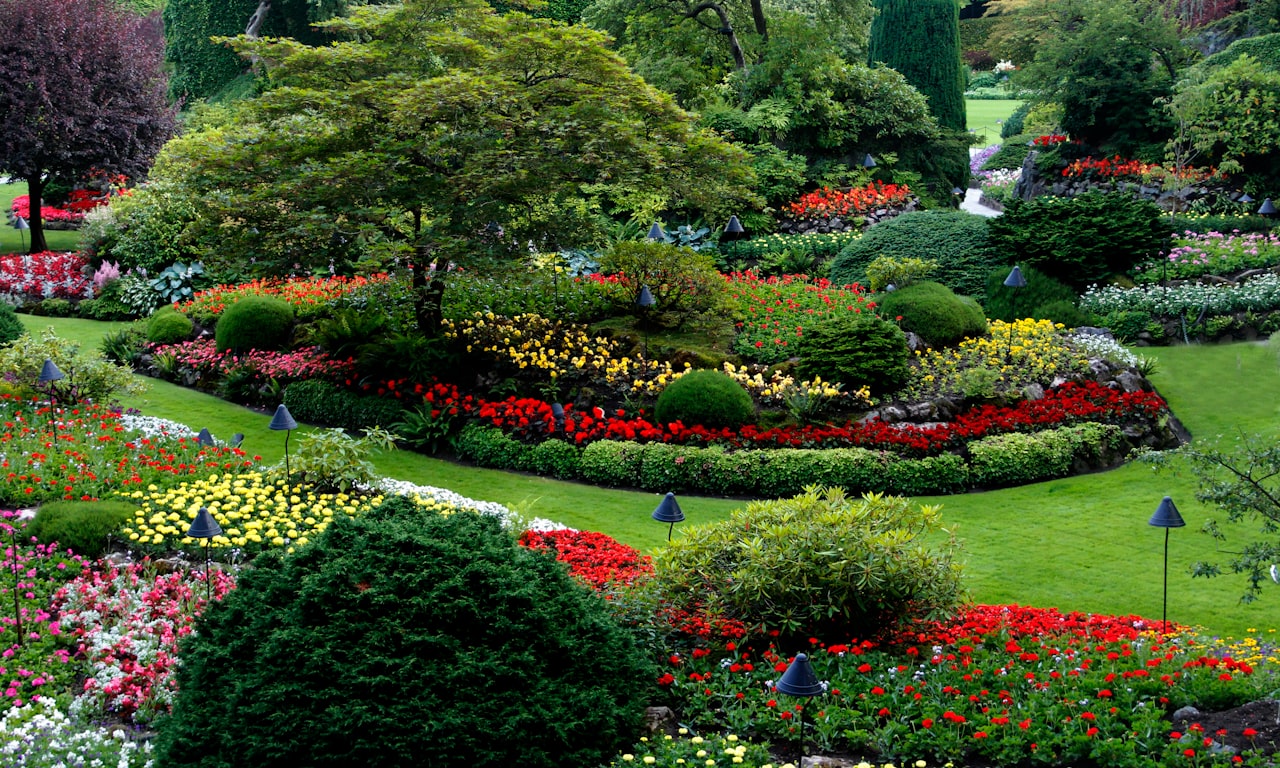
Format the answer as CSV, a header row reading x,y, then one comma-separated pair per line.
x,y
406,638
168,326
11,328
81,526
820,563
956,240
706,398
255,322
935,313
1012,153
1009,304
855,350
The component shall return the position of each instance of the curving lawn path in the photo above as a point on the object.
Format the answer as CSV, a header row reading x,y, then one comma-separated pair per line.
x,y
1081,543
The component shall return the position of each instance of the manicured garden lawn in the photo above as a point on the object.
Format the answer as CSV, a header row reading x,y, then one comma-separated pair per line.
x,y
982,116
11,240
1080,543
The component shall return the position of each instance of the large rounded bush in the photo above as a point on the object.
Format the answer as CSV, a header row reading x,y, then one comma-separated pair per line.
x,y
406,638
856,350
1083,239
706,398
10,326
957,240
820,563
255,322
168,326
935,313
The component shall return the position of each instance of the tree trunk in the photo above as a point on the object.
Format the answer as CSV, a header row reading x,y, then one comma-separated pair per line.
x,y
255,21
35,192
762,26
726,28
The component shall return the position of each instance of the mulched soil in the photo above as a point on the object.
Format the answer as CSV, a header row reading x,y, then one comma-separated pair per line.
x,y
1262,716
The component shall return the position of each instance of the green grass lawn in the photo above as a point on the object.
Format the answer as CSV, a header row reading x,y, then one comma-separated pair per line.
x,y
984,117
12,241
1081,543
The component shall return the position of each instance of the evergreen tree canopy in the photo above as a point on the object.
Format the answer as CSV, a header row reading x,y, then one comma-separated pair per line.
x,y
921,39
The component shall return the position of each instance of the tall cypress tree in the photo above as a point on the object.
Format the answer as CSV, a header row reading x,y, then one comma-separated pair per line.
x,y
921,39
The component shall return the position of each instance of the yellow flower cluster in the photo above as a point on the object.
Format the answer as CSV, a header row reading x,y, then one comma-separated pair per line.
x,y
779,388
533,343
254,513
1259,647
1019,353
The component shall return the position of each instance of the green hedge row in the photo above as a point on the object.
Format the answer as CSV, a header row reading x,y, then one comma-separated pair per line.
x,y
999,460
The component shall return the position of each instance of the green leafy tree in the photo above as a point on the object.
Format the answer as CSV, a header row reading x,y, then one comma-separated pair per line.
x,y
1105,62
81,90
1230,117
1242,480
200,67
442,130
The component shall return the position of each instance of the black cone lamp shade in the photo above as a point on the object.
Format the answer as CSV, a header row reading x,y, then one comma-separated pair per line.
x,y
283,420
799,679
205,437
204,526
1015,279
21,224
733,230
1166,515
1245,199
1268,208
668,510
49,372
656,233
644,300
868,161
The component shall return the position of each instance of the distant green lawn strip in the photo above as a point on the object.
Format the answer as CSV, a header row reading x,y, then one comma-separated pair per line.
x,y
1081,543
983,117
12,241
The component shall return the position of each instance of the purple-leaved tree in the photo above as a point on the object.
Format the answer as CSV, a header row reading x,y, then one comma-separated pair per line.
x,y
81,89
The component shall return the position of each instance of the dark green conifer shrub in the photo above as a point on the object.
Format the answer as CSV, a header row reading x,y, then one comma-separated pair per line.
x,y
406,638
10,326
707,398
81,526
168,326
855,350
935,313
1083,239
921,39
255,322
956,240
1009,304
820,563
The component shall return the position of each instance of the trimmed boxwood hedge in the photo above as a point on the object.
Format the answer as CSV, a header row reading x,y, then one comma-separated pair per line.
x,y
995,461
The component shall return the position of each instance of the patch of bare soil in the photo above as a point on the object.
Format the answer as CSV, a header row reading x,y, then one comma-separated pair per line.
x,y
1260,720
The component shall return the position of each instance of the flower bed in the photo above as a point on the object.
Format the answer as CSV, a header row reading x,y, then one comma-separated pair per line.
x,y
532,419
45,275
1213,253
828,202
126,623
1257,294
994,686
778,308
309,296
199,362
96,455
78,204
